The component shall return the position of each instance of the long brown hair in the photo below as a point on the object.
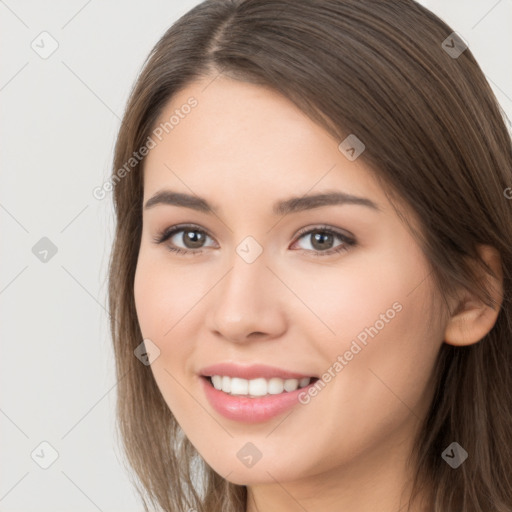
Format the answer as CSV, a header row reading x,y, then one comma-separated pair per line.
x,y
437,139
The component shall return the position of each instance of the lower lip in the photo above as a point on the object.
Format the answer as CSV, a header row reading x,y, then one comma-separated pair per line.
x,y
251,410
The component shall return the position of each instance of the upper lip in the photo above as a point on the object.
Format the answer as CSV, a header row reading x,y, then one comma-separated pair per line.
x,y
249,372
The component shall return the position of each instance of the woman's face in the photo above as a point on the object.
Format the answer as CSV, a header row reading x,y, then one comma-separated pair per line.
x,y
322,288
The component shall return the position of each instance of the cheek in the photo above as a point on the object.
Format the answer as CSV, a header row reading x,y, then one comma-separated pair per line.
x,y
164,294
165,298
377,309
388,345
359,292
379,387
384,383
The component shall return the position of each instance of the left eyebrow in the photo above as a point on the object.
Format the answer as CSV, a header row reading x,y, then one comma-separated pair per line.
x,y
297,204
282,207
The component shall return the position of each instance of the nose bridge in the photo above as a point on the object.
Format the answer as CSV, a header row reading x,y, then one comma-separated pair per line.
x,y
245,301
242,288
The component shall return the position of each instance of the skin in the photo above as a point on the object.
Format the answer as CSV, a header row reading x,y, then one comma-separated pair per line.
x,y
243,148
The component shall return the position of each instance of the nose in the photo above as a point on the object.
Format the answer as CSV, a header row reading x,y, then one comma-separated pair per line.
x,y
248,303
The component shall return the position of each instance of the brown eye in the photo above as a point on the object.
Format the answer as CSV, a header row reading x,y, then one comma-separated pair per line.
x,y
191,237
322,241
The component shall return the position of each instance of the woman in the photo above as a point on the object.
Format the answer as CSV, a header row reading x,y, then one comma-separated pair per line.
x,y
260,371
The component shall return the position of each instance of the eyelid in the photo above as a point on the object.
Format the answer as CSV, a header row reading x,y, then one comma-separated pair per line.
x,y
168,232
324,227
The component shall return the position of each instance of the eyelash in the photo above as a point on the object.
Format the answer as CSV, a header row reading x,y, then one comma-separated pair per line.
x,y
169,232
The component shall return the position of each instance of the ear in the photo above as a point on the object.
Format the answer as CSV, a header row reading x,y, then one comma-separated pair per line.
x,y
472,319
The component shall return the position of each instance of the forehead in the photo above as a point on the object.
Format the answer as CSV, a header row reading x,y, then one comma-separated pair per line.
x,y
247,139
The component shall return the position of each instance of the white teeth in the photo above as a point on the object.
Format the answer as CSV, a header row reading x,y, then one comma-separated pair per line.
x,y
238,386
304,382
226,384
257,387
291,384
217,381
275,386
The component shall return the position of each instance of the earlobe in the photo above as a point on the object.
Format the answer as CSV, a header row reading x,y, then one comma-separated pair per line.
x,y
473,319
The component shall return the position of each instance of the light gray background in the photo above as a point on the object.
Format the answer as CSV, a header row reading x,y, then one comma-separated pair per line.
x,y
60,116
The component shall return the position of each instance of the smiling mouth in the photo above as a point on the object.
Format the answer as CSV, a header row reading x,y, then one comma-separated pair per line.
x,y
259,387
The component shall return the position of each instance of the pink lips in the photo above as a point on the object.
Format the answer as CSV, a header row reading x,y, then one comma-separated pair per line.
x,y
246,409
